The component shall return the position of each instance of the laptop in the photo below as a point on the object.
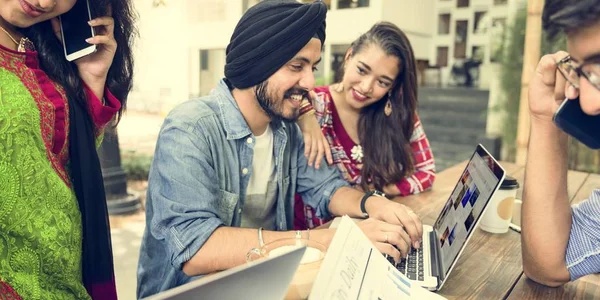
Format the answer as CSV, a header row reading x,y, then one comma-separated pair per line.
x,y
443,243
264,279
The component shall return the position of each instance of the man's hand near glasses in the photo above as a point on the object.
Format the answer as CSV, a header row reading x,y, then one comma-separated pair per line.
x,y
548,89
547,218
559,76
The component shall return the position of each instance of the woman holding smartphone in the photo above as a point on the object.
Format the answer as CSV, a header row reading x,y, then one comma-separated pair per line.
x,y
54,230
369,120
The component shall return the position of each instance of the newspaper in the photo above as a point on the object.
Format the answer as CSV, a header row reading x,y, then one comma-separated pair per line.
x,y
354,269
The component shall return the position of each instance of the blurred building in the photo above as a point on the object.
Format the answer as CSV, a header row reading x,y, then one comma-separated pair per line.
x,y
470,29
181,51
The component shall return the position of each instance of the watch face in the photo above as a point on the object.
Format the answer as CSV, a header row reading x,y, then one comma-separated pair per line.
x,y
380,194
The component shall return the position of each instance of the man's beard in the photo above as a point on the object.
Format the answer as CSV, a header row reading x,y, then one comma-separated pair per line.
x,y
274,109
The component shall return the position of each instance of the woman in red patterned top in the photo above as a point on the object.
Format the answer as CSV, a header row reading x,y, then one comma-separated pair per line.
x,y
369,120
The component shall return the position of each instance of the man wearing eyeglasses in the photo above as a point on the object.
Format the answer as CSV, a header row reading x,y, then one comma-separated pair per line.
x,y
561,243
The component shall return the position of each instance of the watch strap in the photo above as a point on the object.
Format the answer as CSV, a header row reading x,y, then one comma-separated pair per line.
x,y
363,201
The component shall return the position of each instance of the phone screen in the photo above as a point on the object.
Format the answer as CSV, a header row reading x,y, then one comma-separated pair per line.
x,y
75,27
571,119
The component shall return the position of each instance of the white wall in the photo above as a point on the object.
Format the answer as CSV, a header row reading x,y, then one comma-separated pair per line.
x,y
215,32
167,68
413,17
345,25
161,57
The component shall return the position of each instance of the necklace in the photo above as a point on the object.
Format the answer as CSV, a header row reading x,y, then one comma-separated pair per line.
x,y
9,35
23,45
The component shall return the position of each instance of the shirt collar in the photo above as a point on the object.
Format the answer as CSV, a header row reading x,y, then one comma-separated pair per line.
x,y
231,116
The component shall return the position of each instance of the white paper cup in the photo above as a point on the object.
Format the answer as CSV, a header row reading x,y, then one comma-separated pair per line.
x,y
498,214
516,217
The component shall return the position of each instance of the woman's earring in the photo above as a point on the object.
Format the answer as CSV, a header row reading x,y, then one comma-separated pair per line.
x,y
339,88
388,105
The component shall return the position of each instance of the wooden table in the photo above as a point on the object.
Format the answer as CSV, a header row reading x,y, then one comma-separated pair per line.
x,y
491,266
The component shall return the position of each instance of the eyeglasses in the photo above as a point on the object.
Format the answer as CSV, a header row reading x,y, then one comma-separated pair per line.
x,y
572,71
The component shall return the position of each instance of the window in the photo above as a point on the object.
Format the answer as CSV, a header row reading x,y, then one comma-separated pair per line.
x,y
352,3
500,2
462,3
203,60
442,57
444,24
460,40
479,26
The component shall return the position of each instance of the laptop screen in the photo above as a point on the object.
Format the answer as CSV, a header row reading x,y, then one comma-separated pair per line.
x,y
466,204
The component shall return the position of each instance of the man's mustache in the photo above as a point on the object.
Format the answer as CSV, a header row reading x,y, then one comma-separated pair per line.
x,y
295,91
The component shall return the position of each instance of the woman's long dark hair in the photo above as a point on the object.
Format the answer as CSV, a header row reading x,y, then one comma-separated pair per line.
x,y
386,139
120,75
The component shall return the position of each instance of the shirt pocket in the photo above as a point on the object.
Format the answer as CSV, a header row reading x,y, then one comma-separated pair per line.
x,y
226,206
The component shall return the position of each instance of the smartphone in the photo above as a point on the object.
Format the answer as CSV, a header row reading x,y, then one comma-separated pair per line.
x,y
571,119
74,29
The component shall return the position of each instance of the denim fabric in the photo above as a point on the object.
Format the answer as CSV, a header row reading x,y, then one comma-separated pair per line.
x,y
198,180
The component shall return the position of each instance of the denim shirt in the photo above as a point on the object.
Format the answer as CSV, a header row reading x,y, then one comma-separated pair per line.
x,y
198,180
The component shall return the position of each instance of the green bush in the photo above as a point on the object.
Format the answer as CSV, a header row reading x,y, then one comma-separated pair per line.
x,y
510,78
136,166
322,81
512,71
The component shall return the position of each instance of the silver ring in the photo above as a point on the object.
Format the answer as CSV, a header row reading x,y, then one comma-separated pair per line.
x,y
386,238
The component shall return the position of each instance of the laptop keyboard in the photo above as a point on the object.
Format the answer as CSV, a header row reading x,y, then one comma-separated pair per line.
x,y
412,266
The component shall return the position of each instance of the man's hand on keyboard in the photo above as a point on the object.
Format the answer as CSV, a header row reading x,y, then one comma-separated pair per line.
x,y
390,239
397,214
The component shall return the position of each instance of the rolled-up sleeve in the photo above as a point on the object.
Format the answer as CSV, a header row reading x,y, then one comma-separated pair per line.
x,y
583,249
183,192
317,185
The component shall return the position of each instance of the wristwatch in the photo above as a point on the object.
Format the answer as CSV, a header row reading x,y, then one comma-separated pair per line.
x,y
364,200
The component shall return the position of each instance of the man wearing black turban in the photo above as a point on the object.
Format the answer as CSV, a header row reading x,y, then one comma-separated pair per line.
x,y
268,36
227,166
272,35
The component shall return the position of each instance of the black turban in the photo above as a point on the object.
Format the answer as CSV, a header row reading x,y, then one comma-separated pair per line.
x,y
268,35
